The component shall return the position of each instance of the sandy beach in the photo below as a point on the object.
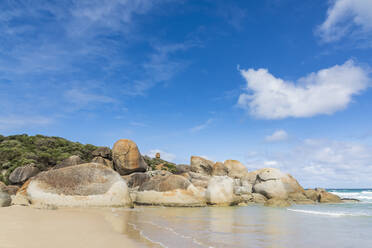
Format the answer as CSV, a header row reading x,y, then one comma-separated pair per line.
x,y
39,228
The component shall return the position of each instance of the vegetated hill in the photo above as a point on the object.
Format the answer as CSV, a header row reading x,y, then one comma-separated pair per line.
x,y
43,151
160,164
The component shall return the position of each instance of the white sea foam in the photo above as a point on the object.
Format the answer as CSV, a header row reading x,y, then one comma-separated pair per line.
x,y
333,214
365,195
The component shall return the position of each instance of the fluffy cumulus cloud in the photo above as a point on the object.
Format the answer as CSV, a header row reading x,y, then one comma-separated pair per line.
x,y
346,17
279,135
163,155
323,92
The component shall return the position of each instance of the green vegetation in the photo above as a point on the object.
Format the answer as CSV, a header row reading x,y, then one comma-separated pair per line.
x,y
165,165
43,151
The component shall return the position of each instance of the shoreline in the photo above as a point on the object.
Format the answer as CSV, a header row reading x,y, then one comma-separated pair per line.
x,y
183,227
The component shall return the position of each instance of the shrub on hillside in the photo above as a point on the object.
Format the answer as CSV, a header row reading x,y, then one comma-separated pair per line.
x,y
165,165
43,151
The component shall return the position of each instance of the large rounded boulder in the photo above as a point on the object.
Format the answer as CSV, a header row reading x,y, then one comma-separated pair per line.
x,y
70,161
197,179
219,169
136,179
201,165
84,185
273,183
104,161
127,158
322,196
103,152
21,174
5,199
165,183
170,190
220,190
235,169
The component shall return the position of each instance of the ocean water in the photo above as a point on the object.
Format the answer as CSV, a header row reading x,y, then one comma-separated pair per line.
x,y
304,226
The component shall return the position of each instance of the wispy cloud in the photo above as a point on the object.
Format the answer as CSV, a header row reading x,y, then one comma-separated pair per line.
x,y
137,124
202,126
351,18
80,97
279,135
65,56
14,122
233,14
160,67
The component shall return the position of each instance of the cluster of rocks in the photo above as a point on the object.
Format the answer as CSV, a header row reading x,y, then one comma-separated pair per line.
x,y
122,177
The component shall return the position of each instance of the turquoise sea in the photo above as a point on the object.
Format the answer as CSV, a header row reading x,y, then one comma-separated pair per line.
x,y
298,226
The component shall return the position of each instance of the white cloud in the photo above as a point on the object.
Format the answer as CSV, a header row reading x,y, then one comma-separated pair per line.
x,y
138,124
346,17
80,97
278,135
321,163
201,126
163,155
271,163
323,92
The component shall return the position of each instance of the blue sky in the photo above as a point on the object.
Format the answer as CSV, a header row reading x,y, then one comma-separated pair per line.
x,y
279,83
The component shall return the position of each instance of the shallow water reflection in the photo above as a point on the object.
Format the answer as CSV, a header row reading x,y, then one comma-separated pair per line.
x,y
252,226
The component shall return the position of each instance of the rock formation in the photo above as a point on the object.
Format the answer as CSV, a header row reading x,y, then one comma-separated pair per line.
x,y
72,160
220,190
277,202
21,174
81,185
219,169
235,169
201,165
166,189
182,168
104,161
191,197
157,155
127,158
197,179
258,198
103,152
153,181
322,196
103,155
273,183
5,199
136,179
164,183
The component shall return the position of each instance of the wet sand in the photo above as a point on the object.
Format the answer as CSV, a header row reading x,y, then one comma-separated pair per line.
x,y
40,228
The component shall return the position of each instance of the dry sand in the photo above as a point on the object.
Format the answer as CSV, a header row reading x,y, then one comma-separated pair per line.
x,y
22,227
